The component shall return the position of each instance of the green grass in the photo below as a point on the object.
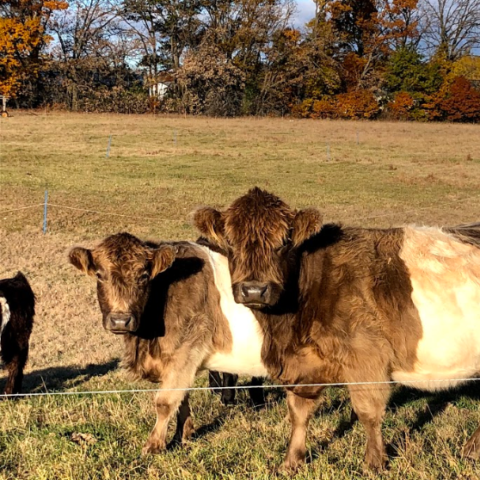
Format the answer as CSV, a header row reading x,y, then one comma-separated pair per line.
x,y
398,173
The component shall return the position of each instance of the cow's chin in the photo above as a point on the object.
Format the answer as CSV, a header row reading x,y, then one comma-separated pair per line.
x,y
255,306
118,332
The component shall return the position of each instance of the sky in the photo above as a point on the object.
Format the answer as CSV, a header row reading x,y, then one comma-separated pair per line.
x,y
305,12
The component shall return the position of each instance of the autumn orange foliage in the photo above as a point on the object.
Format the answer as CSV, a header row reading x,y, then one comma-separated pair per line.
x,y
462,102
401,106
21,36
369,30
357,104
457,101
324,108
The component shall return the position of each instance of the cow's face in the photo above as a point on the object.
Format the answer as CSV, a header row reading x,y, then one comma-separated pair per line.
x,y
260,234
124,267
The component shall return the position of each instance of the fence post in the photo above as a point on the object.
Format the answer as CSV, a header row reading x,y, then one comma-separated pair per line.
x,y
45,213
108,147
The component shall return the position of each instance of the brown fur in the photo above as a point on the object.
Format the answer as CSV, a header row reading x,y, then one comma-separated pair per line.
x,y
261,236
211,221
169,289
345,312
467,233
15,337
306,223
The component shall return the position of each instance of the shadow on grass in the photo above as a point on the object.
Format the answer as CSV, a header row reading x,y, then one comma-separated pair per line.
x,y
200,432
60,378
436,402
210,427
433,404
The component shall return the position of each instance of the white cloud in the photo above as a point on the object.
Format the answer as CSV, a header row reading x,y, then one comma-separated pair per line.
x,y
305,12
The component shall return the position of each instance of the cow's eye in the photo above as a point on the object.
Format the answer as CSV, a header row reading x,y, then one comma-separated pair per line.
x,y
99,276
144,277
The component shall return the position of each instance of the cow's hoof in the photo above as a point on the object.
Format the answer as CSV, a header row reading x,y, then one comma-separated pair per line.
x,y
151,448
178,441
290,467
175,443
375,462
188,431
471,449
375,459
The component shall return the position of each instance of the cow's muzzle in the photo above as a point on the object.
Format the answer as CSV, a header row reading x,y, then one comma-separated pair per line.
x,y
253,294
121,323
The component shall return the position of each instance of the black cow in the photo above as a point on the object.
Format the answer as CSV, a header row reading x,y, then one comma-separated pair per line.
x,y
17,309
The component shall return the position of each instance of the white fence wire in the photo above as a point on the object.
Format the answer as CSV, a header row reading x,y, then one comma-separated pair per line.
x,y
239,387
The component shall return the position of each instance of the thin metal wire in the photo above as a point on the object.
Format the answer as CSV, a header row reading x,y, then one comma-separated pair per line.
x,y
236,387
22,208
114,214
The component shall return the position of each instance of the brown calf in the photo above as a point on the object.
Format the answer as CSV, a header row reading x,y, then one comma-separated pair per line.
x,y
352,305
173,304
17,309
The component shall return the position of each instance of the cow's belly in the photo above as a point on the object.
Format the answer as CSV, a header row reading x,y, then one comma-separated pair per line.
x,y
448,353
245,357
243,364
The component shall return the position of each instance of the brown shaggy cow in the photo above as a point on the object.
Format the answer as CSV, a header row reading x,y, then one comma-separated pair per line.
x,y
352,305
173,304
17,309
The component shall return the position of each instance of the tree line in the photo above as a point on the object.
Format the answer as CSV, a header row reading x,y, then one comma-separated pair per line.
x,y
400,59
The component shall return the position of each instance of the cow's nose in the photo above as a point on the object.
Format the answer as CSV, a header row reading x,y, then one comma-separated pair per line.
x,y
120,322
255,293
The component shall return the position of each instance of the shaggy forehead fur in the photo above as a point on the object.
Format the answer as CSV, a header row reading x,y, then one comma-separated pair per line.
x,y
258,220
122,252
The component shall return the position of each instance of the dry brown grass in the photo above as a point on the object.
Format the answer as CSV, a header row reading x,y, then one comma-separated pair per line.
x,y
399,173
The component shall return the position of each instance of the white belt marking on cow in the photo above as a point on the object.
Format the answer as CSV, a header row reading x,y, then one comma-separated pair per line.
x,y
5,317
445,276
245,357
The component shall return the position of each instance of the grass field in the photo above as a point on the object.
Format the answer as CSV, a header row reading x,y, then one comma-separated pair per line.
x,y
158,170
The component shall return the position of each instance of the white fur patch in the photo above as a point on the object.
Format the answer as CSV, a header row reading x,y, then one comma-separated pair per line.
x,y
245,356
445,276
5,316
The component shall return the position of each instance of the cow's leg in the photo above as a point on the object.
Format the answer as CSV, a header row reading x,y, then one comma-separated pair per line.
x,y
172,397
214,381
472,447
257,395
184,423
300,410
228,394
169,400
15,363
369,403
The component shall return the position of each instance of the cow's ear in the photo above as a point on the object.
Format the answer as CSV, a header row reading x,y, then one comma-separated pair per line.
x,y
210,223
306,223
82,259
162,259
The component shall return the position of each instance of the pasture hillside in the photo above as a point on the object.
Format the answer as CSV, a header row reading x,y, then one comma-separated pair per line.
x,y
157,171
